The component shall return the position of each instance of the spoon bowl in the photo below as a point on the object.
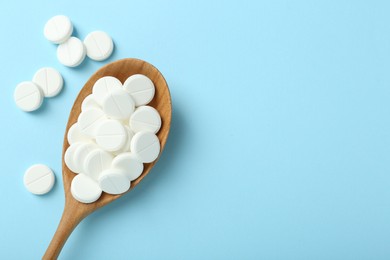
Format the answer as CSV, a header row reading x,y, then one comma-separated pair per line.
x,y
75,211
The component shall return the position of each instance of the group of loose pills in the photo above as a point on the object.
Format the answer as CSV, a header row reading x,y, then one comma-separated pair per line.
x,y
114,135
71,51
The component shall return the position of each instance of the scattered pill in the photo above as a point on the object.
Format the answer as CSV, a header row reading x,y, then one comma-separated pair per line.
x,y
71,53
89,102
141,89
96,162
85,189
111,135
146,146
99,45
28,96
114,181
69,157
39,179
145,118
103,86
130,165
89,119
49,80
58,29
75,135
118,104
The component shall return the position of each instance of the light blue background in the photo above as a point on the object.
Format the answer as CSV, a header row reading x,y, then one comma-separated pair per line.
x,y
280,139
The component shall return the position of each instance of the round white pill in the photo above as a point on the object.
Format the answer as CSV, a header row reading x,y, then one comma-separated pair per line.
x,y
114,181
39,179
89,102
75,135
111,135
99,45
118,104
88,120
28,96
130,164
69,157
103,86
96,162
145,118
71,53
80,153
146,146
85,189
58,29
141,89
49,80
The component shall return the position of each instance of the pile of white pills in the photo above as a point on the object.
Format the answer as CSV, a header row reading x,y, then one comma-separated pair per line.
x,y
71,51
114,135
47,82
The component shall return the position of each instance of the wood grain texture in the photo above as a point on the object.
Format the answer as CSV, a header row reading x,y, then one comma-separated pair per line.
x,y
75,211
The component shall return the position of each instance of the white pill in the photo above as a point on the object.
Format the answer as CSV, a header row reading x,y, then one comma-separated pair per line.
x,y
69,157
130,134
89,102
114,181
88,120
130,164
111,135
71,53
118,104
80,153
75,135
146,146
103,86
145,118
49,80
39,179
85,189
58,29
28,97
99,45
96,162
141,89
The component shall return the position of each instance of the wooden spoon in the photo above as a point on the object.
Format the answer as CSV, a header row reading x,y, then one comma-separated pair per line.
x,y
75,211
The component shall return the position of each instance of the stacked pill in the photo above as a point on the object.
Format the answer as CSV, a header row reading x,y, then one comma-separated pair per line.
x,y
71,51
114,135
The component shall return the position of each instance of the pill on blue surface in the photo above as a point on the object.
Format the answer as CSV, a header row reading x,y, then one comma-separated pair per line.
x,y
49,80
71,53
39,179
99,45
28,96
58,29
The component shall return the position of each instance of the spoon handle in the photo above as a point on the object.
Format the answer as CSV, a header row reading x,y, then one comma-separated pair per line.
x,y
69,220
